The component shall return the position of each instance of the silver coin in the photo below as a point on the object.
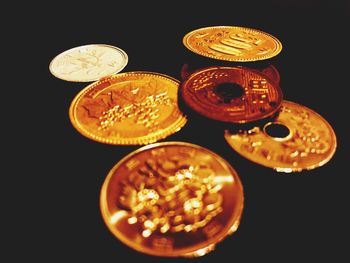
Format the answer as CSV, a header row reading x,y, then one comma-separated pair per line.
x,y
88,63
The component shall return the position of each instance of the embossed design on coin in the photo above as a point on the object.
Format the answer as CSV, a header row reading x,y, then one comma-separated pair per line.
x,y
172,199
88,63
183,198
128,108
298,139
231,94
232,43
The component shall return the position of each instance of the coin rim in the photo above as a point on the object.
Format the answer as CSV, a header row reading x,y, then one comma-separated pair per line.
x,y
265,57
198,108
230,228
292,169
146,139
119,69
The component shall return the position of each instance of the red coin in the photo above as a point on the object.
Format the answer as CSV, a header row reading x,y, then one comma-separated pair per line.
x,y
231,94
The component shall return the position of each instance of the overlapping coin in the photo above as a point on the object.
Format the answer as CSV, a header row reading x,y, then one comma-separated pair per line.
x,y
172,199
272,73
128,108
88,63
231,94
298,139
232,43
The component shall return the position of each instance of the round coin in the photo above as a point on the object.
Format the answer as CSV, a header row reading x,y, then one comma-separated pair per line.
x,y
298,139
172,199
232,43
231,94
88,63
128,108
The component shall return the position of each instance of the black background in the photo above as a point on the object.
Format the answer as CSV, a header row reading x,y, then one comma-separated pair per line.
x,y
297,216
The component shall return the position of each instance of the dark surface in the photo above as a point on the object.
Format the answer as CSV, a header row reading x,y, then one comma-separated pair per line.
x,y
297,216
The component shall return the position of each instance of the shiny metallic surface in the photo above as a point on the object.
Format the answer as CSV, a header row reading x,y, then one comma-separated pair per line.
x,y
260,97
88,63
172,199
232,43
309,141
128,108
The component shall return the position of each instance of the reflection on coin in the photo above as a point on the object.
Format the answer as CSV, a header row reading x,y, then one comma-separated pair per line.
x,y
128,108
172,199
298,139
232,43
88,63
231,94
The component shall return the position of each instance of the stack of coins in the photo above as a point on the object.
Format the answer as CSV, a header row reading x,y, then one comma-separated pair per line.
x,y
177,199
170,199
247,97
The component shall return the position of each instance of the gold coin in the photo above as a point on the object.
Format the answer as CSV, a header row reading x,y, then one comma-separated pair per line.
x,y
172,199
232,43
231,94
128,108
88,63
298,139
